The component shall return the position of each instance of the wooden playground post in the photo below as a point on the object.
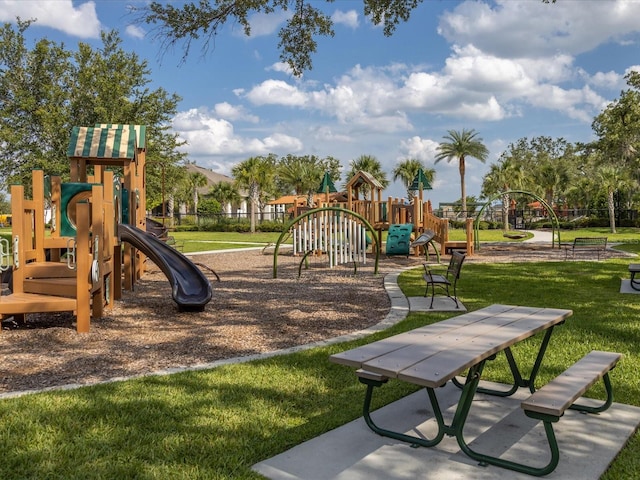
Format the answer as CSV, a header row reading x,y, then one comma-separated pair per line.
x,y
83,262
18,224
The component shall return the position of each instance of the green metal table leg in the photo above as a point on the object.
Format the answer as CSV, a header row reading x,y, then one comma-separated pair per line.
x,y
413,440
515,372
538,362
484,460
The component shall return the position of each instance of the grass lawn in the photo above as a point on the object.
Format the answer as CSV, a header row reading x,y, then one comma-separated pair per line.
x,y
215,424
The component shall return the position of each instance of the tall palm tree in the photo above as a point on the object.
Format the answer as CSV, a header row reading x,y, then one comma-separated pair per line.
x,y
459,146
407,171
195,180
226,194
251,174
371,165
612,179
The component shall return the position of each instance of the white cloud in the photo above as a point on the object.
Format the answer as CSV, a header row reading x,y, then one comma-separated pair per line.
x,y
135,31
209,136
234,112
348,19
423,149
264,24
276,92
281,67
514,29
610,80
80,21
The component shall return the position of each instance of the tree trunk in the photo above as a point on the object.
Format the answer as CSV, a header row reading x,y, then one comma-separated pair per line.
x,y
505,212
612,211
463,189
170,207
253,216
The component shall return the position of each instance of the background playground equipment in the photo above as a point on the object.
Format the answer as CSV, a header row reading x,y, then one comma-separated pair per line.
x,y
399,239
339,233
382,214
555,224
124,147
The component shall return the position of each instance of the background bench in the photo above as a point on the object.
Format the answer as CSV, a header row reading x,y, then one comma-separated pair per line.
x,y
586,244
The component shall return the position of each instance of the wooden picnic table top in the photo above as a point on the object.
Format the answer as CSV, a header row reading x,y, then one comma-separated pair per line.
x,y
433,354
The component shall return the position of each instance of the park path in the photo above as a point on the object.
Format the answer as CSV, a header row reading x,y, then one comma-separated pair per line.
x,y
539,236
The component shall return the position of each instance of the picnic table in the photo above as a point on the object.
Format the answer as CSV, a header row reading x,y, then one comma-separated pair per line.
x,y
432,355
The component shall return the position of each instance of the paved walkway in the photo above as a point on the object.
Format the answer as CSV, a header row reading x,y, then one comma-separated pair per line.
x,y
539,236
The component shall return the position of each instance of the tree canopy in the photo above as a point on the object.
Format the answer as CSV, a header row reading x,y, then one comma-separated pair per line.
x,y
458,146
46,90
299,36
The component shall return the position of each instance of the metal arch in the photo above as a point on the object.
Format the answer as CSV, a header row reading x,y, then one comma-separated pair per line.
x,y
288,227
555,224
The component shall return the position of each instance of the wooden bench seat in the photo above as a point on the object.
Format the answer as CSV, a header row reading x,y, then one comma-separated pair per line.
x,y
553,399
585,244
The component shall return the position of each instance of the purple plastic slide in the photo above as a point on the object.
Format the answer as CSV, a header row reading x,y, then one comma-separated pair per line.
x,y
191,289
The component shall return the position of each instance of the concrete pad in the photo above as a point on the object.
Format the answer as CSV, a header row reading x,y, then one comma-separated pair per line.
x,y
440,304
496,426
625,287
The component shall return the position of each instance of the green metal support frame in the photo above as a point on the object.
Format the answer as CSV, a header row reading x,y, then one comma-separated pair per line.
x,y
555,224
285,233
548,421
454,429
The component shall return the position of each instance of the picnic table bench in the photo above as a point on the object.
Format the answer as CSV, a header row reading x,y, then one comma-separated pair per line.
x,y
585,244
432,355
634,269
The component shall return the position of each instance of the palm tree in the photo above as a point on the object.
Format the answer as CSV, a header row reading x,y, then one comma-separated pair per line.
x,y
458,146
302,174
226,194
195,180
371,165
612,179
407,171
503,176
251,174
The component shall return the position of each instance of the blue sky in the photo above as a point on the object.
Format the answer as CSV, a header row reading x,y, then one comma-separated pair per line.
x,y
508,69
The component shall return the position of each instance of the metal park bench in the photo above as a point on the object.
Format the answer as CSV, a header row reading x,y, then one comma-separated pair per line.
x,y
585,244
446,280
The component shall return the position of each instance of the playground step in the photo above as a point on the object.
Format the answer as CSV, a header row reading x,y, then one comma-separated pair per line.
x,y
60,287
48,270
19,303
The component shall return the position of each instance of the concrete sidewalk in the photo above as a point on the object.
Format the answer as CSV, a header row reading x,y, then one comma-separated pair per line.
x,y
497,426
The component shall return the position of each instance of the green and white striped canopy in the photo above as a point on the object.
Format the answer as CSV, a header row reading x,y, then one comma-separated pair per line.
x,y
112,141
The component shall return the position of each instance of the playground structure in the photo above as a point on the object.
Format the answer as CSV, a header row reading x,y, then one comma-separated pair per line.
x,y
383,214
339,230
340,233
96,244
